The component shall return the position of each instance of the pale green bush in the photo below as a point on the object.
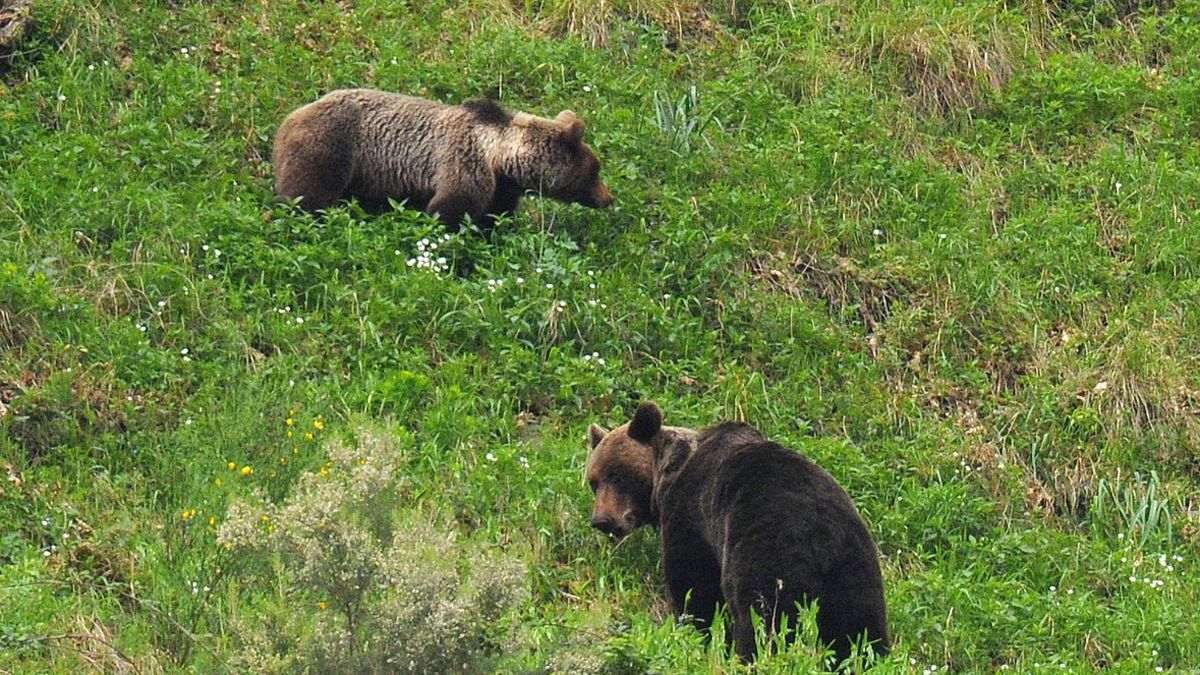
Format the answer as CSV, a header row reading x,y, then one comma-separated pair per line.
x,y
365,584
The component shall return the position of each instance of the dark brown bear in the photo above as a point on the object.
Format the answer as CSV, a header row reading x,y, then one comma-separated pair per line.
x,y
745,522
474,159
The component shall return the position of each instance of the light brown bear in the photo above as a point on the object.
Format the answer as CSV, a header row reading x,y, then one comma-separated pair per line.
x,y
474,159
744,522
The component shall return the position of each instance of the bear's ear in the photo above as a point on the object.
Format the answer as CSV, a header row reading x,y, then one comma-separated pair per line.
x,y
646,423
596,433
573,124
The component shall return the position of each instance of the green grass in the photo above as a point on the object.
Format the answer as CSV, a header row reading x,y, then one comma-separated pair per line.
x,y
948,250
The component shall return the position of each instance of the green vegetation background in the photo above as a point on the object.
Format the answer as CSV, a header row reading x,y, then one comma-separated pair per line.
x,y
947,249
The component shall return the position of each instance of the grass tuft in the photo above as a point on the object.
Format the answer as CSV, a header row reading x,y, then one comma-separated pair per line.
x,y
596,23
950,63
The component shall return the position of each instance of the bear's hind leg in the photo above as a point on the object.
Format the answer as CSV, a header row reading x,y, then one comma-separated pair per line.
x,y
845,618
451,208
740,627
771,599
318,174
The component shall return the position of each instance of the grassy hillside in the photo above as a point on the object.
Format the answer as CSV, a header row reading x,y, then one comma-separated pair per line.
x,y
950,250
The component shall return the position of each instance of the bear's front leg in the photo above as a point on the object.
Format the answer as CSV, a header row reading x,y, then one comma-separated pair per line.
x,y
694,582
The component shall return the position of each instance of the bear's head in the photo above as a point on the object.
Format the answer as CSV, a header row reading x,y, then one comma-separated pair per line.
x,y
621,468
554,160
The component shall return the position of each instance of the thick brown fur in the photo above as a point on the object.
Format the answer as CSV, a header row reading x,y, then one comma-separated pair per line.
x,y
748,523
474,159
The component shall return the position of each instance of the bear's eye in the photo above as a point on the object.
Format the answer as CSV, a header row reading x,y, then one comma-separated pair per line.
x,y
595,485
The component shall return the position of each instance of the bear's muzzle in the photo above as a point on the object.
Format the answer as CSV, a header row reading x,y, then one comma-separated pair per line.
x,y
600,197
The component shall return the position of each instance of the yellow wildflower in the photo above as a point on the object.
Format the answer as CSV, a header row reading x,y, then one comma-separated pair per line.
x,y
218,482
283,460
246,470
321,604
266,518
289,433
318,424
232,466
308,435
212,521
289,421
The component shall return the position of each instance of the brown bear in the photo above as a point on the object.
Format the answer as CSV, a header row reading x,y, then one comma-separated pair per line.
x,y
474,159
745,522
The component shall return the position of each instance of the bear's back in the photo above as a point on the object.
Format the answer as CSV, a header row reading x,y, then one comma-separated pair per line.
x,y
736,462
762,494
364,100
397,141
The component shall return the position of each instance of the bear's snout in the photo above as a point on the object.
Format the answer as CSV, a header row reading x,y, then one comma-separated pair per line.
x,y
603,523
609,525
601,197
613,513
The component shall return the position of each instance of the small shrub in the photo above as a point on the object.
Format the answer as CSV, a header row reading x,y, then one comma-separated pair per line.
x,y
424,602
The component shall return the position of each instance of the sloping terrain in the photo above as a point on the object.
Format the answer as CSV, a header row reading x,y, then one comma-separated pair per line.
x,y
949,250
